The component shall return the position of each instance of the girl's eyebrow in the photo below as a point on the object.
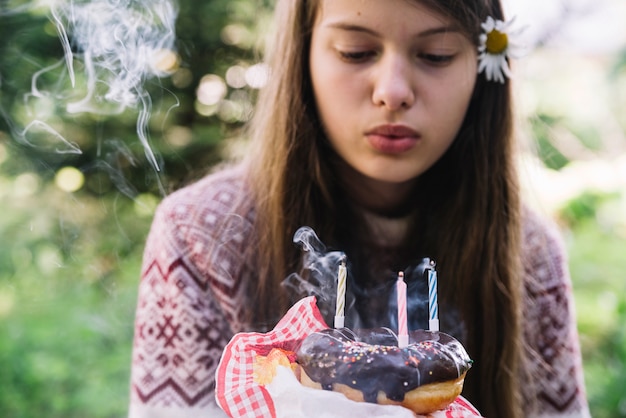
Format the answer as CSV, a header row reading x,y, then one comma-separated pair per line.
x,y
423,34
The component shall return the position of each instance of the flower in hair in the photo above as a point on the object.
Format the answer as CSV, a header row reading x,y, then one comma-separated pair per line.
x,y
496,46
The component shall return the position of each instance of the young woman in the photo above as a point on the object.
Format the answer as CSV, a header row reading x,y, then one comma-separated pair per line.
x,y
377,131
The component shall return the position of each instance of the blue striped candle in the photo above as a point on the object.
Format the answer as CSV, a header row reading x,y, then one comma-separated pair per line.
x,y
433,308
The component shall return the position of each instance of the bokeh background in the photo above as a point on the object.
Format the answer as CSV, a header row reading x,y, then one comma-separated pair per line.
x,y
78,188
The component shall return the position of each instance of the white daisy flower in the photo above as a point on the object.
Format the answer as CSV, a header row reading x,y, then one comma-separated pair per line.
x,y
496,45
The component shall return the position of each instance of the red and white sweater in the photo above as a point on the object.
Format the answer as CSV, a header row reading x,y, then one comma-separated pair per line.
x,y
192,296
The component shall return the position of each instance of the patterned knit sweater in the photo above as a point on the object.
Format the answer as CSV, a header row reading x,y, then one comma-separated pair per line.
x,y
192,294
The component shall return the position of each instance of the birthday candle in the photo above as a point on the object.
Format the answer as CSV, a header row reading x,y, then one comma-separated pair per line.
x,y
433,308
403,334
341,295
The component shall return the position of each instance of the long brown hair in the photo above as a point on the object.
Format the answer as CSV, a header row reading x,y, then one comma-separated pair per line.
x,y
470,223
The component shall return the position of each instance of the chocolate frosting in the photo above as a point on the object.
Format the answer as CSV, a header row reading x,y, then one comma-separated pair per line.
x,y
371,361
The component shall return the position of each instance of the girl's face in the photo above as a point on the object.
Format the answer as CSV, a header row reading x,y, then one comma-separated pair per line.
x,y
392,81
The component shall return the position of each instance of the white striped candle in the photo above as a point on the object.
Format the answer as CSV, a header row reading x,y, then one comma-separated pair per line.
x,y
403,332
433,308
341,295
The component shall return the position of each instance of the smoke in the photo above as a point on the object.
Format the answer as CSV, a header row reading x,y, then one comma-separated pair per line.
x,y
365,307
111,50
121,43
319,275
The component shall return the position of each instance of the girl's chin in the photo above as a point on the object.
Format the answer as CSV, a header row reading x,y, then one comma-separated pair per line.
x,y
391,177
391,174
376,171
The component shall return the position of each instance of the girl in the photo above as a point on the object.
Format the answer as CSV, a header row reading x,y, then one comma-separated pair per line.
x,y
377,130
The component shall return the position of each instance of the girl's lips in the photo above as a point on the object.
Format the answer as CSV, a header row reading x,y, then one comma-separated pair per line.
x,y
392,139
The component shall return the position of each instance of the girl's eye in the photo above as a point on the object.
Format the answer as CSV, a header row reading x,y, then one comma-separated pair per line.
x,y
357,56
436,59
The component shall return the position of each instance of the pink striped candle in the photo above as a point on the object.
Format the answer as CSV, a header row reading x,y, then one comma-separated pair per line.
x,y
403,332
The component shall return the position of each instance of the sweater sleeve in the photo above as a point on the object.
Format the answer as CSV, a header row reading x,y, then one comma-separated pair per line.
x,y
186,310
554,385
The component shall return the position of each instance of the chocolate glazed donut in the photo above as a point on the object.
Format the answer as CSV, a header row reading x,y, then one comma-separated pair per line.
x,y
368,365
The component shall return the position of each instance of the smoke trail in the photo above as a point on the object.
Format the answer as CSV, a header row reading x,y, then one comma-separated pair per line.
x,y
319,275
319,278
121,44
111,49
43,136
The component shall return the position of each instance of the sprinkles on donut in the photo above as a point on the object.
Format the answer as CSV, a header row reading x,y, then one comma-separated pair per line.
x,y
368,366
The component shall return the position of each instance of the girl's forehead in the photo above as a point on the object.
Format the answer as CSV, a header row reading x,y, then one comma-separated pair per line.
x,y
408,16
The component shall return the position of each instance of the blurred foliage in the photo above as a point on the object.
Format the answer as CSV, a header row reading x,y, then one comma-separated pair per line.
x,y
597,245
67,292
70,247
585,207
542,125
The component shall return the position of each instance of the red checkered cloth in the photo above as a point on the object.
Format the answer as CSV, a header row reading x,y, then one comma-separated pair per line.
x,y
240,396
236,391
460,408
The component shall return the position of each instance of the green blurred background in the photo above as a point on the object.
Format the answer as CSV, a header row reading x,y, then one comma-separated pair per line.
x,y
73,224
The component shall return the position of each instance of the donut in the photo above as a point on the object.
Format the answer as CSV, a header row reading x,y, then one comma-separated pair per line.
x,y
368,366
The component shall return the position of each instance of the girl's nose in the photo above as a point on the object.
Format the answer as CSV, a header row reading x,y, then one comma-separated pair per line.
x,y
393,84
